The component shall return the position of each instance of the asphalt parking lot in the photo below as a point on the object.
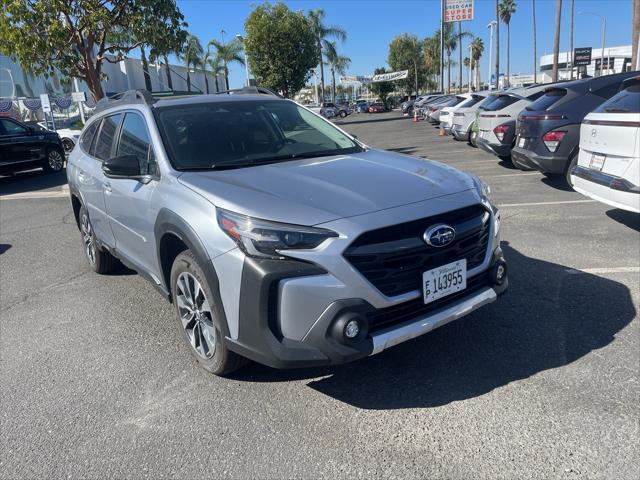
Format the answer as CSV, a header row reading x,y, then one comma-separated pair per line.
x,y
545,383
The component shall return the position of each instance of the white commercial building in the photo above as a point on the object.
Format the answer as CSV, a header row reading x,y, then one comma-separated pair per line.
x,y
616,60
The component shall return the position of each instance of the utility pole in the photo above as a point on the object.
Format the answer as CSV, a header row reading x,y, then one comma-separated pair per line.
x,y
497,43
571,43
492,23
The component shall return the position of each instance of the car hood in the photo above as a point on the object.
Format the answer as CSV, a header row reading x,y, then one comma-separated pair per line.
x,y
319,190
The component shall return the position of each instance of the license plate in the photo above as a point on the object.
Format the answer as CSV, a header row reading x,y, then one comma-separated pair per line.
x,y
521,141
597,162
445,280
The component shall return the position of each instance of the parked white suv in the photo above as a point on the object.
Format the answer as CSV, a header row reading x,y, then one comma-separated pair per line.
x,y
608,168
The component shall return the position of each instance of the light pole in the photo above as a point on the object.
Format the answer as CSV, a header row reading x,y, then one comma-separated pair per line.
x,y
491,25
604,34
246,59
470,65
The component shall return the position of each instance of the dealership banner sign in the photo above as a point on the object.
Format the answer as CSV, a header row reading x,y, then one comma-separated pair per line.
x,y
582,56
391,76
458,10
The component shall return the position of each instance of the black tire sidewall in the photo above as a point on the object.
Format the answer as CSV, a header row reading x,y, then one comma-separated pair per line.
x,y
186,262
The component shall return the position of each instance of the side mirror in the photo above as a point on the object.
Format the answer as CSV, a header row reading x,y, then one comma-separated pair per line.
x,y
123,166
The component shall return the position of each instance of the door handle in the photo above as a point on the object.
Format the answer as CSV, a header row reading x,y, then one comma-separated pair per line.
x,y
107,187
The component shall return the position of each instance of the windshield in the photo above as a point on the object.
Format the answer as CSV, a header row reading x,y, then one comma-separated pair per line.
x,y
237,134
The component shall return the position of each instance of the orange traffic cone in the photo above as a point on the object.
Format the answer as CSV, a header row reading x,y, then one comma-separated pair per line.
x,y
441,134
415,116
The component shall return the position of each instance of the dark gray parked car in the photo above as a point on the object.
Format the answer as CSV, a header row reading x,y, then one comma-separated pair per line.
x,y
548,130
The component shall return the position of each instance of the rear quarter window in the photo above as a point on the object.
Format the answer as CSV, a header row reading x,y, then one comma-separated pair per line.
x,y
106,137
626,101
547,100
86,140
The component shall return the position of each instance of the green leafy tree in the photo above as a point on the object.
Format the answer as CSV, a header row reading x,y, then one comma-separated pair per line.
x,y
337,63
431,58
405,53
507,9
381,89
229,53
78,36
322,33
282,47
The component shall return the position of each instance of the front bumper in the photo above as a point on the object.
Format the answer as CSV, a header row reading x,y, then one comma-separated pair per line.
x,y
542,163
267,286
500,150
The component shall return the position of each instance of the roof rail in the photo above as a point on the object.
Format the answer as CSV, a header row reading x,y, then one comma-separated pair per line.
x,y
125,98
249,91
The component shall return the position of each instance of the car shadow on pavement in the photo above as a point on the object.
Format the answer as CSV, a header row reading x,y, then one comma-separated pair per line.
x,y
558,182
629,219
31,181
547,319
404,150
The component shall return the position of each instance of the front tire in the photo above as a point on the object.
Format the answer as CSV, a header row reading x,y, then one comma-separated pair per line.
x,y
199,317
343,114
99,260
54,162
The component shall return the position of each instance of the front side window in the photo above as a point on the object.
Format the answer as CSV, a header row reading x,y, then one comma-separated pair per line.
x,y
12,128
135,141
104,143
246,132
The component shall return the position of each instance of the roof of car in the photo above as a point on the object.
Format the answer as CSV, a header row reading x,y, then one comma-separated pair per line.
x,y
214,98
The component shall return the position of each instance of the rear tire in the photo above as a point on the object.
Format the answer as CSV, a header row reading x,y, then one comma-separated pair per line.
x,y
199,316
54,162
99,260
67,144
343,114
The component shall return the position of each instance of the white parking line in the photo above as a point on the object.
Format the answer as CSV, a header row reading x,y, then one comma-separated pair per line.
x,y
64,192
577,271
535,204
521,174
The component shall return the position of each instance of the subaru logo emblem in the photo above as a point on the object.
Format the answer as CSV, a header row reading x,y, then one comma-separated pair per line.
x,y
439,235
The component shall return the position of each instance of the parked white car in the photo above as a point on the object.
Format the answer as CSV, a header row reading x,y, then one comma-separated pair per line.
x,y
448,113
608,168
69,136
465,115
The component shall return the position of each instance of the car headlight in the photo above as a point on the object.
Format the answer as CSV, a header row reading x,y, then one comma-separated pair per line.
x,y
483,189
265,239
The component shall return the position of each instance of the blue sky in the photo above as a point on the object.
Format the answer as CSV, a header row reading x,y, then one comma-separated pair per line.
x,y
371,24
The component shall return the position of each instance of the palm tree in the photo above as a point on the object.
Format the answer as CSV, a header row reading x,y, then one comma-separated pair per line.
x,y
204,62
477,49
322,32
217,68
228,53
535,53
467,64
507,9
337,63
192,52
556,41
431,58
450,40
461,35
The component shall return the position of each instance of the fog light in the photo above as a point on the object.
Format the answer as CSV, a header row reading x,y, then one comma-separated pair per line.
x,y
351,329
500,273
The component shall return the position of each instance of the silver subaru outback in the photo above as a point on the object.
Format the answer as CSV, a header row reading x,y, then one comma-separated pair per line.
x,y
277,236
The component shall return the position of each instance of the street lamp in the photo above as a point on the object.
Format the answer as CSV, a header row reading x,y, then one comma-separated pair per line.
x,y
246,59
491,26
470,65
604,33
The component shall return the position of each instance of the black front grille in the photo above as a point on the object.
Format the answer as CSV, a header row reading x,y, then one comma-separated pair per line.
x,y
393,258
406,311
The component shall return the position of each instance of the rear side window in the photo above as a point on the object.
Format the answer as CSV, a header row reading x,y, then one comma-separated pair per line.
x,y
88,135
134,140
627,101
107,134
470,102
502,101
548,100
608,91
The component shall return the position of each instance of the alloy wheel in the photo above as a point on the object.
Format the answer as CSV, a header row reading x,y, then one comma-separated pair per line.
x,y
56,160
87,237
195,314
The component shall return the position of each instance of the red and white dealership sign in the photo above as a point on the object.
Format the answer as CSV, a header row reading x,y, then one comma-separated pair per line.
x,y
458,10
